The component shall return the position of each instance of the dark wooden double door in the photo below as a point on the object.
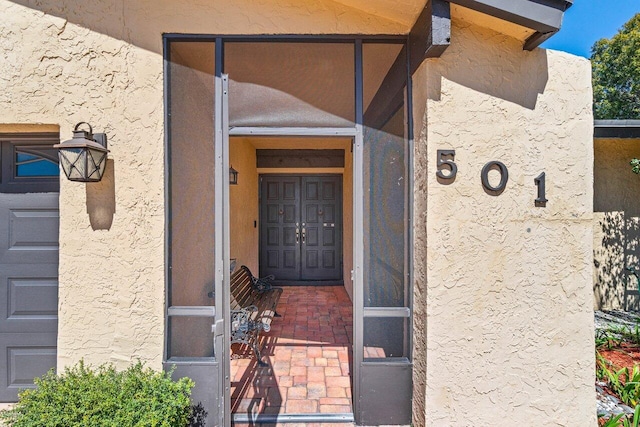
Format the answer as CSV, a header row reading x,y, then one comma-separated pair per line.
x,y
301,228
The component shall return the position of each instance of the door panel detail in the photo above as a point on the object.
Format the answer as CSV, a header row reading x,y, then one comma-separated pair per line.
x,y
28,288
301,228
32,299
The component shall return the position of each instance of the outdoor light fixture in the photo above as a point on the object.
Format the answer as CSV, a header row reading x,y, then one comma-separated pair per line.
x,y
84,157
233,176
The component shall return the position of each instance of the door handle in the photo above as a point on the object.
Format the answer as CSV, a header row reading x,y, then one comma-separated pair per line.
x,y
297,235
217,329
304,234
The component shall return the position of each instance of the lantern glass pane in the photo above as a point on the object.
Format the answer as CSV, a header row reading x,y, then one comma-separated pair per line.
x,y
103,164
64,161
96,163
74,162
79,168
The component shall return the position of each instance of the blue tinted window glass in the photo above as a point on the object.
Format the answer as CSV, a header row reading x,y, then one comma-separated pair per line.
x,y
36,162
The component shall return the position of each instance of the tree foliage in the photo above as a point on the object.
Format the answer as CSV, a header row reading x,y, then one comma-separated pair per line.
x,y
616,73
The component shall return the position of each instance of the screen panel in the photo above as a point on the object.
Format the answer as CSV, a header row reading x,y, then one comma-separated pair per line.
x,y
386,178
384,337
290,84
190,337
191,150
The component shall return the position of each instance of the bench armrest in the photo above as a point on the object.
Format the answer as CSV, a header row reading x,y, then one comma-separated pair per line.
x,y
260,284
241,319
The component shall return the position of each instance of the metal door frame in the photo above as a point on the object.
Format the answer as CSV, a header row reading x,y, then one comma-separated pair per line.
x,y
222,239
212,373
222,232
355,133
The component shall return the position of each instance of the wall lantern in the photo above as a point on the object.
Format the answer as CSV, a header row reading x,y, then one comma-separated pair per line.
x,y
233,176
84,157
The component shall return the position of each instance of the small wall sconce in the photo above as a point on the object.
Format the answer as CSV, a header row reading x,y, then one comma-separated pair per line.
x,y
233,176
84,157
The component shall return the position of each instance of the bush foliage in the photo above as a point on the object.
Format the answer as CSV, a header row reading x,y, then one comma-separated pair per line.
x,y
103,397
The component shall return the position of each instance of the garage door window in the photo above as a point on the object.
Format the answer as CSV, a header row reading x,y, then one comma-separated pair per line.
x,y
29,163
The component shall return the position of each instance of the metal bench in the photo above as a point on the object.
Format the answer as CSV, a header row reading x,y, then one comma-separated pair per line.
x,y
253,307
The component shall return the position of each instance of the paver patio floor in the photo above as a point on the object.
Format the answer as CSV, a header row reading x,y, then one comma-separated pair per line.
x,y
309,354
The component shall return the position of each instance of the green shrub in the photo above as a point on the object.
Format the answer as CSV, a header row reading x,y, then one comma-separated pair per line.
x,y
103,397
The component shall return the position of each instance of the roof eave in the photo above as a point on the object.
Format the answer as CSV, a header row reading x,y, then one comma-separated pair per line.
x,y
542,16
616,129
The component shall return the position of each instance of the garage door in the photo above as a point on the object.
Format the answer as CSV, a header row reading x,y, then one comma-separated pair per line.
x,y
29,222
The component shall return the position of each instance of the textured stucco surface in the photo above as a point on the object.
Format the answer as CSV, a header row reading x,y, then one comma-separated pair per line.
x,y
507,295
243,205
503,325
101,62
616,226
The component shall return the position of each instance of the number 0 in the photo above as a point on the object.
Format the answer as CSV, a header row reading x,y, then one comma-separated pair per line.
x,y
504,177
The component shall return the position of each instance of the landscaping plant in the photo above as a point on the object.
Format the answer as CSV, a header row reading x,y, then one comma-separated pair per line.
x,y
103,397
624,383
607,338
619,421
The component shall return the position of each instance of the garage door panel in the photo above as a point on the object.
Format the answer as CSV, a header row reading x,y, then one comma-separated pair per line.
x,y
31,296
33,229
22,358
29,226
29,251
30,237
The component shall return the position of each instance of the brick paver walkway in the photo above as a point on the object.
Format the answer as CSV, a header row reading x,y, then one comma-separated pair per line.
x,y
309,355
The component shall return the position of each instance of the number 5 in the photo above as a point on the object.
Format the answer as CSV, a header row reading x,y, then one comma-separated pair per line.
x,y
446,164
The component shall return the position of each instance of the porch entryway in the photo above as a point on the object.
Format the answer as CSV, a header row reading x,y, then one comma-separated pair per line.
x,y
308,351
300,192
229,98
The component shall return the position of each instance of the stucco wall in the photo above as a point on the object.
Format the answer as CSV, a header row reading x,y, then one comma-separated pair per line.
x,y
507,295
243,204
616,231
503,295
69,61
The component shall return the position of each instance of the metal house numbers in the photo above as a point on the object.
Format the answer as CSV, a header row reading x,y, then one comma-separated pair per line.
x,y
447,171
504,177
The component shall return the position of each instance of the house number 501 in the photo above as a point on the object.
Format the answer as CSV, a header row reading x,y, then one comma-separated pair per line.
x,y
447,171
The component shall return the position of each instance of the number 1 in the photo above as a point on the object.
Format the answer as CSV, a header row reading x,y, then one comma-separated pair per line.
x,y
541,201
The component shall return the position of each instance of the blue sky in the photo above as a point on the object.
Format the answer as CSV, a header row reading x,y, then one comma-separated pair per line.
x,y
590,20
